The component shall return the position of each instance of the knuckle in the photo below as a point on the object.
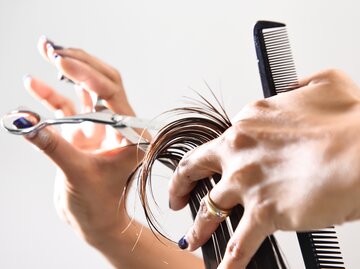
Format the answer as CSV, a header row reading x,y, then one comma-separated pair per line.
x,y
116,74
263,213
333,73
205,215
259,104
333,76
236,252
238,137
181,169
247,176
194,236
47,141
255,108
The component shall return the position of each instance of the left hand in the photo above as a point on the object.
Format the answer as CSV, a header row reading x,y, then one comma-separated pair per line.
x,y
287,160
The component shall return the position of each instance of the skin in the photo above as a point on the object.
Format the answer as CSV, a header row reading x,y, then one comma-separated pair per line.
x,y
89,185
261,159
291,160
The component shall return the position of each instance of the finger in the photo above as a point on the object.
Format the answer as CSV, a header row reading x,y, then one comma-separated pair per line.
x,y
42,46
92,80
197,164
66,156
93,131
320,77
206,221
48,96
244,243
48,50
83,56
45,45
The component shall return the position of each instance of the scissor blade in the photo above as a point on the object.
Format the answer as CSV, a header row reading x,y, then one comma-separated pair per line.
x,y
134,122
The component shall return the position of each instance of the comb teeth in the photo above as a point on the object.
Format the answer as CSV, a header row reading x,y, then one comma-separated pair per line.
x,y
320,248
280,59
326,248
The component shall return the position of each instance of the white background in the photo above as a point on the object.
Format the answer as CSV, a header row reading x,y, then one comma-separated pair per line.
x,y
161,48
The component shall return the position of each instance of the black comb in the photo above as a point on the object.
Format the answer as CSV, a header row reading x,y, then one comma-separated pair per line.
x,y
320,248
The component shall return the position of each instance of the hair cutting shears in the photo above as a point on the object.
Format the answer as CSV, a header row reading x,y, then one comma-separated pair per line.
x,y
24,121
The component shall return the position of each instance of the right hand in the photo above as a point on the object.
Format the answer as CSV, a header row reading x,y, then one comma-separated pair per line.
x,y
90,179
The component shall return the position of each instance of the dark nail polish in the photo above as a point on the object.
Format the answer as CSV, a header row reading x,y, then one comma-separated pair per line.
x,y
49,42
22,123
64,78
53,45
183,244
57,47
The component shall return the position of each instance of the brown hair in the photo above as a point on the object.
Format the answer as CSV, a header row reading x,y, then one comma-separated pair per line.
x,y
196,124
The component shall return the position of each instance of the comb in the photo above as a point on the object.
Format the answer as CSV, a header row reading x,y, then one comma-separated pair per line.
x,y
320,248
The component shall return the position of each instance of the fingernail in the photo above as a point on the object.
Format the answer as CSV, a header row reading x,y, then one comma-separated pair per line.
x,y
27,81
56,57
64,78
183,244
22,123
50,46
57,47
43,38
51,43
59,113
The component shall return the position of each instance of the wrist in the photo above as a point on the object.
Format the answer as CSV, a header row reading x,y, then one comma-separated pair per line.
x,y
99,237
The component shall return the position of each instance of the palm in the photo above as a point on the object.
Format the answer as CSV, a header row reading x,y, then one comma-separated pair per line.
x,y
89,185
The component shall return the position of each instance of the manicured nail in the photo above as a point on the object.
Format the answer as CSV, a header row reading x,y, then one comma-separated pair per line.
x,y
57,47
49,45
43,38
183,244
52,44
26,77
22,123
64,78
27,81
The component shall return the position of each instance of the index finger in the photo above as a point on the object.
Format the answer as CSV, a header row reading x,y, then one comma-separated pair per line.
x,y
79,55
199,163
94,81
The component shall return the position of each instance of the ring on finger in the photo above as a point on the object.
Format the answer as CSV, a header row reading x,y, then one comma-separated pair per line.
x,y
215,210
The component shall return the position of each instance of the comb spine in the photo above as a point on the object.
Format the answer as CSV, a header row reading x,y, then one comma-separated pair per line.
x,y
263,63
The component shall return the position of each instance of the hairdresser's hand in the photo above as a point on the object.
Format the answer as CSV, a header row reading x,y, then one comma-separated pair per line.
x,y
291,160
94,169
94,164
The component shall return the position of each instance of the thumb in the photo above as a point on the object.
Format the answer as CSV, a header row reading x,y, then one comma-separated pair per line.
x,y
57,148
244,243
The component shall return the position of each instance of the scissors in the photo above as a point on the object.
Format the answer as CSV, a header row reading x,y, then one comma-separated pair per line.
x,y
24,121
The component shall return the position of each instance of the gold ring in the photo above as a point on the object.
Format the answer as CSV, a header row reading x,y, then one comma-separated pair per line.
x,y
214,210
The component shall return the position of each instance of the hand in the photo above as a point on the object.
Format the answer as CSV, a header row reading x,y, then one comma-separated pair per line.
x,y
290,160
93,167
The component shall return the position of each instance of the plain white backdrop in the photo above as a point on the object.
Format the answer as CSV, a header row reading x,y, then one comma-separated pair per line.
x,y
162,48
